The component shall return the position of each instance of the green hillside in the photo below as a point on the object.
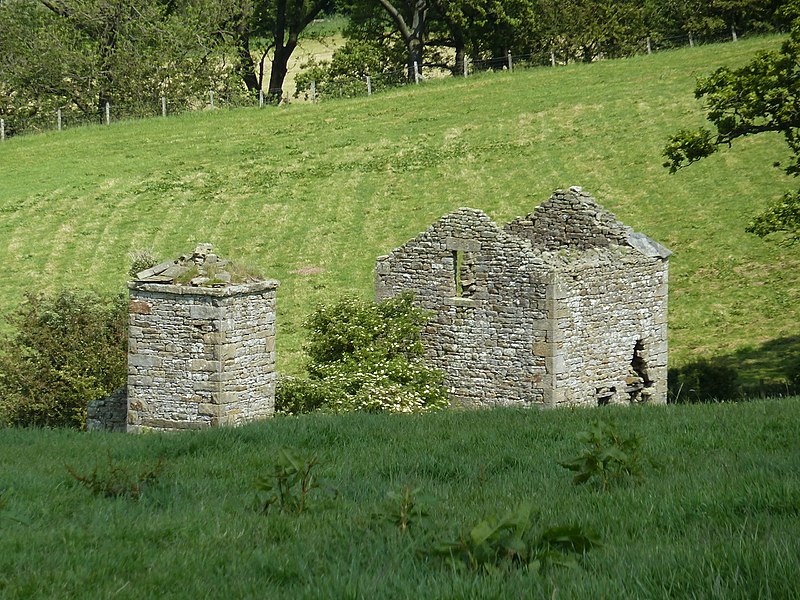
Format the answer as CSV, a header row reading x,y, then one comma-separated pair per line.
x,y
333,185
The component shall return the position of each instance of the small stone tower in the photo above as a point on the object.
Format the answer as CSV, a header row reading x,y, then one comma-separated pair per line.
x,y
201,345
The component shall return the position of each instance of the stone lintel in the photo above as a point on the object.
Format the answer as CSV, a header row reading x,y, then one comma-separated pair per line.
x,y
143,360
204,311
456,301
463,244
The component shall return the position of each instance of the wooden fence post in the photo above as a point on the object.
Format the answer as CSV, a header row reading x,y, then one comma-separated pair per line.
x,y
510,66
313,90
2,130
691,40
466,66
416,73
260,98
108,113
163,106
369,86
59,119
649,48
552,58
733,33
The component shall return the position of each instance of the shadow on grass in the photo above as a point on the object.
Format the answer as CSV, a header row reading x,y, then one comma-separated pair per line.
x,y
771,369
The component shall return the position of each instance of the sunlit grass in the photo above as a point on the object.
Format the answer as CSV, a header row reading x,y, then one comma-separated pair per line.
x,y
716,516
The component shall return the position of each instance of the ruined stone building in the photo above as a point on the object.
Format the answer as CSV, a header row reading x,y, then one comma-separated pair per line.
x,y
566,306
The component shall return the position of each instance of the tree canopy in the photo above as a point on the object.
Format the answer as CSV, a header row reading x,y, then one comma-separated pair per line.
x,y
762,96
80,54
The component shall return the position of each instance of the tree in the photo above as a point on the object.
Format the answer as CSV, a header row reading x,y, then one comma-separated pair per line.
x,y
277,24
65,350
81,54
762,96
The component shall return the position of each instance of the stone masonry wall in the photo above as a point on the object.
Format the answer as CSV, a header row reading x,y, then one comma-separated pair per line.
x,y
462,269
569,220
608,303
612,312
200,357
109,413
566,306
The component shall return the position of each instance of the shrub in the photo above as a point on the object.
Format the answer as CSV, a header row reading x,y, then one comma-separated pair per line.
x,y
365,356
64,351
141,259
291,482
703,381
118,481
514,541
608,457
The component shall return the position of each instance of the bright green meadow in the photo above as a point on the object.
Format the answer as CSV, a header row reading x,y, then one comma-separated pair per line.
x,y
312,194
717,516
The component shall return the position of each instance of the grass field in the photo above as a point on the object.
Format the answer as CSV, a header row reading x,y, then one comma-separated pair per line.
x,y
311,194
717,517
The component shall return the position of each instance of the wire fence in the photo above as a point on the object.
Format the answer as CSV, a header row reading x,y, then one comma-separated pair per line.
x,y
66,117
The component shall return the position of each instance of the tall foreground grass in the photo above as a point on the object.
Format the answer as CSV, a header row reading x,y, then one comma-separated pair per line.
x,y
311,194
717,517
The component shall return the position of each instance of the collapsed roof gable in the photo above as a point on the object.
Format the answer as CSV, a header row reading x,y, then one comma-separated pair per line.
x,y
570,219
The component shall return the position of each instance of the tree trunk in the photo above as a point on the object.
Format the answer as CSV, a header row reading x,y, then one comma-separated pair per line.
x,y
288,27
413,35
461,56
247,65
277,75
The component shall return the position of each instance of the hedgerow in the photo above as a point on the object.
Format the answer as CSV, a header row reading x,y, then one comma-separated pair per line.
x,y
64,350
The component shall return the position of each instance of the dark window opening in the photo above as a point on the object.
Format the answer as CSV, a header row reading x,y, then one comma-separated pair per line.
x,y
604,395
638,381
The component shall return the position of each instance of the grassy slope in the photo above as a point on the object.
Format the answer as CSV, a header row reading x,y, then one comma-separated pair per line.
x,y
719,519
334,185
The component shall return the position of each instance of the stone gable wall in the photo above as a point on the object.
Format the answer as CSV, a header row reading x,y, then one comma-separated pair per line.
x,y
482,337
612,312
569,220
200,357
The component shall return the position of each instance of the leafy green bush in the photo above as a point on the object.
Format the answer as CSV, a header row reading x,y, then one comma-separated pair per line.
x,y
290,483
64,351
608,458
404,508
498,544
365,356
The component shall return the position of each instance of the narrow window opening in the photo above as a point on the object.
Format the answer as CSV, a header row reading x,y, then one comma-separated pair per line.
x,y
464,275
638,380
458,261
